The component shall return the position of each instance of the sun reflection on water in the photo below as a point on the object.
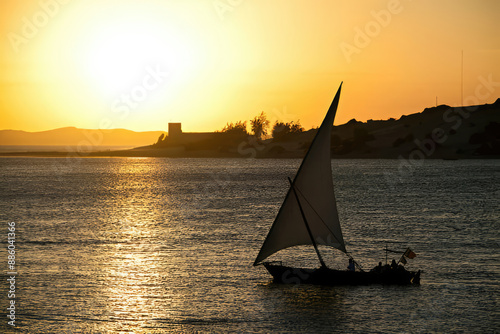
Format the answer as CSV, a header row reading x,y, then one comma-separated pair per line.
x,y
133,280
159,245
135,290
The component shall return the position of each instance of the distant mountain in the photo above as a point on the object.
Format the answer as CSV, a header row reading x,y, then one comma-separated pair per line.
x,y
71,136
440,132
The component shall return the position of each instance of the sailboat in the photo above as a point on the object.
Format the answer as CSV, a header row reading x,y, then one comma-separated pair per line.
x,y
309,216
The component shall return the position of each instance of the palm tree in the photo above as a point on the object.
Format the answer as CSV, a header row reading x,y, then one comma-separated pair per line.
x,y
259,125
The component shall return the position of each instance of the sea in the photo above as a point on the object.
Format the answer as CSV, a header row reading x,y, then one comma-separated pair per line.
x,y
161,245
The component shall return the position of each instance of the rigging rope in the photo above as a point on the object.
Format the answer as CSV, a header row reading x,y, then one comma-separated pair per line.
x,y
328,227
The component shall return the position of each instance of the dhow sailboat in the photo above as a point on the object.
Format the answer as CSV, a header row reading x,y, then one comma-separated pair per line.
x,y
308,216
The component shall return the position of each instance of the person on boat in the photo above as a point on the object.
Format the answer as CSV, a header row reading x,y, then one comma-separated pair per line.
x,y
351,266
394,265
378,269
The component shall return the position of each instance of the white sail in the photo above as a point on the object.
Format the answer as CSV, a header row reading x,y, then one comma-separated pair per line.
x,y
314,186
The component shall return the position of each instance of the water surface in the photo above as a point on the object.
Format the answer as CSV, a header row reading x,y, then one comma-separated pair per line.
x,y
167,245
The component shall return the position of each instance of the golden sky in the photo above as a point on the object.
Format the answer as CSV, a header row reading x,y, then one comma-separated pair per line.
x,y
141,64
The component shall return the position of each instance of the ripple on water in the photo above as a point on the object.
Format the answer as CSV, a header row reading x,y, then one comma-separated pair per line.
x,y
130,245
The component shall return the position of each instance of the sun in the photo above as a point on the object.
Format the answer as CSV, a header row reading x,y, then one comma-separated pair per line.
x,y
137,63
117,56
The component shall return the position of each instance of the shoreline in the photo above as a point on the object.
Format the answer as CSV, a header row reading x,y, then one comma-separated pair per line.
x,y
440,132
157,153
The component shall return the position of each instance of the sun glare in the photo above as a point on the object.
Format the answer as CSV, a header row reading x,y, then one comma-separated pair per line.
x,y
118,56
134,63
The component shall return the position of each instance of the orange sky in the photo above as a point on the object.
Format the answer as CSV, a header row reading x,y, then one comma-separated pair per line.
x,y
141,64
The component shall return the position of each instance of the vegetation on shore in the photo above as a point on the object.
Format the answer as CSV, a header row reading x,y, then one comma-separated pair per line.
x,y
437,132
441,132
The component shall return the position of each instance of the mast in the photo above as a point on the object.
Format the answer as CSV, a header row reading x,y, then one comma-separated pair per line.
x,y
323,265
314,182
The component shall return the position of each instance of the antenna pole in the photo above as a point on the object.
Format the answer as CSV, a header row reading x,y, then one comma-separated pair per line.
x,y
462,82
323,265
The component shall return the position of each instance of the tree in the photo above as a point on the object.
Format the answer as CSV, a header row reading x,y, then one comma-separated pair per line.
x,y
280,130
295,127
259,125
160,139
283,131
238,128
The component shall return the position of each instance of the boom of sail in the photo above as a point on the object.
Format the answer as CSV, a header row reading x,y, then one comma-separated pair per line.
x,y
313,185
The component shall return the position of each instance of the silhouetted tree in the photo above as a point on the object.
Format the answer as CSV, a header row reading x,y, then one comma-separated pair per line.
x,y
283,131
295,127
279,130
160,139
238,128
259,125
230,136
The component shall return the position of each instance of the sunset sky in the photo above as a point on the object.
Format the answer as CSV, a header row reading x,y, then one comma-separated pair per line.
x,y
141,64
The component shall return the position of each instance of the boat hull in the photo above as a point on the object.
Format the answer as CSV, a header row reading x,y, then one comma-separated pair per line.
x,y
327,276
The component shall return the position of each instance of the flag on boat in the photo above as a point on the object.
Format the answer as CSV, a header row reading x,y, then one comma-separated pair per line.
x,y
403,260
410,254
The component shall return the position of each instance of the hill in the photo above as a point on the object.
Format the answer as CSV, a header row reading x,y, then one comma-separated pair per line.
x,y
441,132
71,136
437,132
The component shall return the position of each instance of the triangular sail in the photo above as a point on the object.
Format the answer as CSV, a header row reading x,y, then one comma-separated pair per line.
x,y
314,185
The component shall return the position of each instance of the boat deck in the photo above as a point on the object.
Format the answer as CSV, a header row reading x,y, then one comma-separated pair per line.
x,y
327,276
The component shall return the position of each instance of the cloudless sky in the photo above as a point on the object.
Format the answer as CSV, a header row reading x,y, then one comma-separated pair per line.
x,y
141,64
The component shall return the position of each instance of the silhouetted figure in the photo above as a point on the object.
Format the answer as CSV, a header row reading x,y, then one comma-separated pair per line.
x,y
378,269
351,266
393,264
